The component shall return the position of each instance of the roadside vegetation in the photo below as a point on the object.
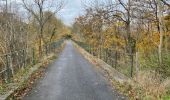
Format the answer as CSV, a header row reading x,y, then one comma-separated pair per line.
x,y
29,32
133,36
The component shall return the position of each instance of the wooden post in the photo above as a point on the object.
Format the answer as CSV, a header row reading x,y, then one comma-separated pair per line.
x,y
24,58
137,66
116,59
8,72
33,56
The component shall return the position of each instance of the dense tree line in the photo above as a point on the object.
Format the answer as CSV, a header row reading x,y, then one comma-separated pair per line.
x,y
135,36
139,28
28,24
23,23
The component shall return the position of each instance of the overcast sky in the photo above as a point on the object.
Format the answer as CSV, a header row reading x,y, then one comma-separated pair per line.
x,y
71,10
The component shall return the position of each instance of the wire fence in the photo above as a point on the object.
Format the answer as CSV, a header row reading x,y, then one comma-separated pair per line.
x,y
12,62
121,61
117,59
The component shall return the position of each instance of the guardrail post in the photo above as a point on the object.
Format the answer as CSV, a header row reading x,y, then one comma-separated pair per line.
x,y
109,62
24,57
92,50
100,51
33,56
97,52
103,55
106,55
8,71
116,54
11,64
46,49
89,49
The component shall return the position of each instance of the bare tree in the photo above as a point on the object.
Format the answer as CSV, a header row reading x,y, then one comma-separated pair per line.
x,y
37,9
166,2
122,10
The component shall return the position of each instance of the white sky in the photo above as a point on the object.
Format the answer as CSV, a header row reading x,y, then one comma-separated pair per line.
x,y
71,10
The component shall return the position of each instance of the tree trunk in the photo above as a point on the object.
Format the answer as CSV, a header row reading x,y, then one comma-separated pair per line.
x,y
40,47
160,16
130,48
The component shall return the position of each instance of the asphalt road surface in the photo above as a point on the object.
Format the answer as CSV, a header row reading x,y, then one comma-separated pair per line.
x,y
72,77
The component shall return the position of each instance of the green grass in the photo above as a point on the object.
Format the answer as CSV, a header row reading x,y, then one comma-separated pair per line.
x,y
166,97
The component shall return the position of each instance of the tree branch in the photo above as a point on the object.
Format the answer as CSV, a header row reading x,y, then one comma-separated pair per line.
x,y
166,3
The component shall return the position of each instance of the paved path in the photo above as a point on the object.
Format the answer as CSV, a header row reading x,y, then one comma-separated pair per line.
x,y
72,77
